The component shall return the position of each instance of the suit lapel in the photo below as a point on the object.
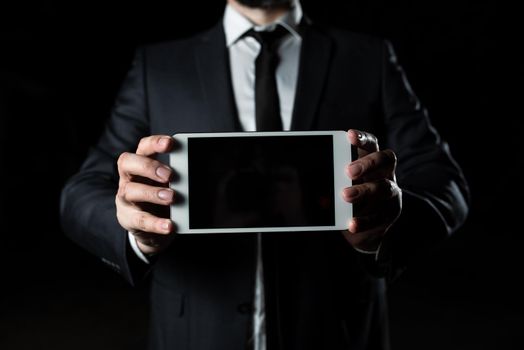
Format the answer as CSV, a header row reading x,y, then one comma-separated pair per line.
x,y
212,60
314,64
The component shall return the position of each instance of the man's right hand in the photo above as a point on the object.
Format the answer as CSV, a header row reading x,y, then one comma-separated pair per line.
x,y
144,181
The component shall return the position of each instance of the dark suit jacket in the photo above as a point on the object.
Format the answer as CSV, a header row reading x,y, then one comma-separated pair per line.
x,y
321,294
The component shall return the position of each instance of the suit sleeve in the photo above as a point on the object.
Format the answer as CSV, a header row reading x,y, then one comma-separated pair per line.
x,y
435,193
87,206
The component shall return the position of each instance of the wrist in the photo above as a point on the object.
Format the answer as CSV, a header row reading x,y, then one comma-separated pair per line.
x,y
142,251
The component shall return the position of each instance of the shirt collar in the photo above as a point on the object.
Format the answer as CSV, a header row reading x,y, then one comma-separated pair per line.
x,y
235,24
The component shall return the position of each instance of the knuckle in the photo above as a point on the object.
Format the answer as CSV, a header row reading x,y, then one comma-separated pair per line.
x,y
368,189
124,191
121,182
144,144
148,195
384,185
122,216
147,165
390,156
396,190
141,221
120,194
371,163
388,187
144,141
119,217
122,159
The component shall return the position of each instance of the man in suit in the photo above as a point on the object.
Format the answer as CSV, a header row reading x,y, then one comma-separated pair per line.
x,y
315,290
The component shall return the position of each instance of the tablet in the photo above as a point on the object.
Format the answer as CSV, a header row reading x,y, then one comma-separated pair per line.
x,y
260,182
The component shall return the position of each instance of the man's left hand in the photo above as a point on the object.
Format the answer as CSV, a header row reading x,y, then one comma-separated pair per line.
x,y
375,194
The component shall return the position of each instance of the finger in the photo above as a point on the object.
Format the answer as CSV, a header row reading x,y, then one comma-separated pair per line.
x,y
371,194
130,164
138,220
154,144
373,166
371,222
135,192
364,141
376,216
366,240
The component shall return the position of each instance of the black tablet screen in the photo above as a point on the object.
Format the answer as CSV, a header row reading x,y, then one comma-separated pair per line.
x,y
269,181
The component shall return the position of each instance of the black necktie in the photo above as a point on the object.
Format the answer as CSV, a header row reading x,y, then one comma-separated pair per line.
x,y
267,105
267,115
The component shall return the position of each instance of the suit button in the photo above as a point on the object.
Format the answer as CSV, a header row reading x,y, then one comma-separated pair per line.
x,y
245,308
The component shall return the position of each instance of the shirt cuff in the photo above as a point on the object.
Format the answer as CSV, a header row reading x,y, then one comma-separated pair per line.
x,y
134,246
370,252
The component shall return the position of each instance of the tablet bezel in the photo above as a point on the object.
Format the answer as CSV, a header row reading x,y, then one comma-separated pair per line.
x,y
178,160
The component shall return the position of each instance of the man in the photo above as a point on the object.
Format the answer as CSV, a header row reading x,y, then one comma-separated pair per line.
x,y
320,290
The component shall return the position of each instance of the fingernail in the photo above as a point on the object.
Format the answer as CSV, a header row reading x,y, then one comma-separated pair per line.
x,y
351,192
163,172
164,142
355,170
165,225
166,195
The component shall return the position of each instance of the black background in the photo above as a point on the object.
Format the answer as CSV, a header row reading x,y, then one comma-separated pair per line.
x,y
60,67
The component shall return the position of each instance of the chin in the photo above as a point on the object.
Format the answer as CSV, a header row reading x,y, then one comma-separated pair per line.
x,y
266,3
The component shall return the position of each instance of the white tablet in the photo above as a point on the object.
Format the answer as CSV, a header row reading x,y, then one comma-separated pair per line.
x,y
260,181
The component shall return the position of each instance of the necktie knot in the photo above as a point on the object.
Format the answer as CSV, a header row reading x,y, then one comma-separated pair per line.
x,y
269,40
